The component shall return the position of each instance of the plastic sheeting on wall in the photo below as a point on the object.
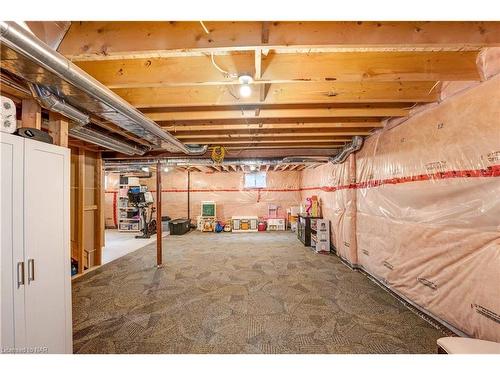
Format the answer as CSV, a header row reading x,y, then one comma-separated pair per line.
x,y
427,218
226,189
331,183
431,228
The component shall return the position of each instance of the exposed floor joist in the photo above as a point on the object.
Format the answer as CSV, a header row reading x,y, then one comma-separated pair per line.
x,y
296,93
122,40
286,68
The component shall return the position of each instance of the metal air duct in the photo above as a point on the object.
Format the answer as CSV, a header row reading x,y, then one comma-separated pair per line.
x,y
51,102
109,105
353,146
90,135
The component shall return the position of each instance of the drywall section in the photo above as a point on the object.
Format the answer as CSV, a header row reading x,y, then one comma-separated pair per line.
x,y
226,189
427,218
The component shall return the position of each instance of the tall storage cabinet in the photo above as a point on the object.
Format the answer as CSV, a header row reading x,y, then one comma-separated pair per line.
x,y
35,258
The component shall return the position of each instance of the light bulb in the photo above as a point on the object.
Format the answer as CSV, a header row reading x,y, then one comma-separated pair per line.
x,y
245,91
145,169
165,169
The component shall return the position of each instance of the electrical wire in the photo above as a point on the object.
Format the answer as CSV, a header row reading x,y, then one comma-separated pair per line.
x,y
204,27
218,154
224,72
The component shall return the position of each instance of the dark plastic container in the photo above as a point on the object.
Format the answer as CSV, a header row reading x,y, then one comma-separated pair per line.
x,y
178,226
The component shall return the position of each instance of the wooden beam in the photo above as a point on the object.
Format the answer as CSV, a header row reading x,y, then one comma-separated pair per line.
x,y
99,215
31,114
58,129
286,68
80,193
331,126
305,145
258,64
263,90
257,140
193,136
159,242
345,92
118,40
266,115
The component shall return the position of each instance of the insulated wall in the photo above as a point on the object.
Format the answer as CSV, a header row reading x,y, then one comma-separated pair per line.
x,y
427,209
332,184
226,189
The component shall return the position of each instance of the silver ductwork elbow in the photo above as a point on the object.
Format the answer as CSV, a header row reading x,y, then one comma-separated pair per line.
x,y
52,103
101,139
25,43
353,146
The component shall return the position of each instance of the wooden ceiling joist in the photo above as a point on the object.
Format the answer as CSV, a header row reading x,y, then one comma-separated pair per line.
x,y
286,93
218,135
122,40
286,68
266,115
235,128
257,140
287,145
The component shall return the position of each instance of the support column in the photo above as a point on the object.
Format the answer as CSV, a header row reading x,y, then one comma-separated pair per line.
x,y
58,129
159,244
31,114
99,214
80,186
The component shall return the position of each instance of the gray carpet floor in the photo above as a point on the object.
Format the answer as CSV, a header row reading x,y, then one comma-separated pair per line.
x,y
239,293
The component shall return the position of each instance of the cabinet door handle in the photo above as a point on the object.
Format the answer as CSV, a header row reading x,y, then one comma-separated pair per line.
x,y
31,270
20,274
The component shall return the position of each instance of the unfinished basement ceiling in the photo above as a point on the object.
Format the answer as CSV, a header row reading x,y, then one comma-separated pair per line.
x,y
315,84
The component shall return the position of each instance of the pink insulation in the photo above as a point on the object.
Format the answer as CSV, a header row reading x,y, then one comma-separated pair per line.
x,y
226,189
427,209
431,228
337,201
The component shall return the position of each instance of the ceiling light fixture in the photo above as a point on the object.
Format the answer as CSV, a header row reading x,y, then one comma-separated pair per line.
x,y
245,81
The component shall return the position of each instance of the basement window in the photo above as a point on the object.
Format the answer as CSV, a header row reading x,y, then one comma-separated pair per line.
x,y
255,180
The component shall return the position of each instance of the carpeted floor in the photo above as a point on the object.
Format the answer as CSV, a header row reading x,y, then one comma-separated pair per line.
x,y
239,293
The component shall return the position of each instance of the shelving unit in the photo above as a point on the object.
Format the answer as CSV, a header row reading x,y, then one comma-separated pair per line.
x,y
305,229
126,223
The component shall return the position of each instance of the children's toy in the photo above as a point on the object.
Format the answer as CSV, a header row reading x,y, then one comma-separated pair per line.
x,y
219,227
312,206
276,224
245,223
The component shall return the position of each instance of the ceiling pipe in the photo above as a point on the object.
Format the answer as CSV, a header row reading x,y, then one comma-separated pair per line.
x,y
112,163
306,159
52,103
351,147
101,139
16,37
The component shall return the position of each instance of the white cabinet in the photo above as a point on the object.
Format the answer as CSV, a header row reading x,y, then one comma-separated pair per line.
x,y
35,257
